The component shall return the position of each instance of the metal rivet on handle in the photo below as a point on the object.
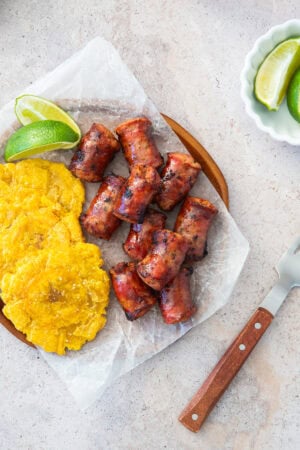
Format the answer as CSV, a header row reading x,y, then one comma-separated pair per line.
x,y
195,417
257,325
242,347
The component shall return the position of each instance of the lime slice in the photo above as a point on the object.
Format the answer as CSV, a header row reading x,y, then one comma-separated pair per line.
x,y
275,73
39,137
293,96
31,108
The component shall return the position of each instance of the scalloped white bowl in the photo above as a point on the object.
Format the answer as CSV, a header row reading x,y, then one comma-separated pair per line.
x,y
279,124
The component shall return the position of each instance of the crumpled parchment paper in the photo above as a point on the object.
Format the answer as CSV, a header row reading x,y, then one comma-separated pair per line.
x,y
95,85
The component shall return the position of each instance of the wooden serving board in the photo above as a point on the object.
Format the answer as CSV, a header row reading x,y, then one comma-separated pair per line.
x,y
209,167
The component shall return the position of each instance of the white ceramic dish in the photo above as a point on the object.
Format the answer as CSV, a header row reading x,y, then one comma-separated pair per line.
x,y
280,124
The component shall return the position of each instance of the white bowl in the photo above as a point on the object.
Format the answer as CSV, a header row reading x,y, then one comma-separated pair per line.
x,y
279,124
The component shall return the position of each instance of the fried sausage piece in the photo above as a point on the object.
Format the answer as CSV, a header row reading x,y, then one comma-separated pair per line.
x,y
137,193
164,259
193,222
95,151
175,300
138,144
135,297
99,220
139,239
178,177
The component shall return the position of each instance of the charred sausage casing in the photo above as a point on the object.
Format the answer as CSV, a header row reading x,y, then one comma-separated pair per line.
x,y
164,259
138,144
137,193
139,239
178,177
175,299
95,151
193,222
134,296
99,219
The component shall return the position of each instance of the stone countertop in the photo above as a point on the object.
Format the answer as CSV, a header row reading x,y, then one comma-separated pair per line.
x,y
188,57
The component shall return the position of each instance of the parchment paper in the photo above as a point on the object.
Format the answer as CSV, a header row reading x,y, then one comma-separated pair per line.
x,y
95,85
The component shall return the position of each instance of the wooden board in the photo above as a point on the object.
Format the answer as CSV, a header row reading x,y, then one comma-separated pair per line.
x,y
209,167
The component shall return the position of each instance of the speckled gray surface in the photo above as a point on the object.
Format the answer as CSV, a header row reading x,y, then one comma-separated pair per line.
x,y
188,56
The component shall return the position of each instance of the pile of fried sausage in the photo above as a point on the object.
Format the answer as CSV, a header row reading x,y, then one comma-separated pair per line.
x,y
162,258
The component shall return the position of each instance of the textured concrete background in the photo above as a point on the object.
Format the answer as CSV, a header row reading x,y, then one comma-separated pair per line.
x,y
188,56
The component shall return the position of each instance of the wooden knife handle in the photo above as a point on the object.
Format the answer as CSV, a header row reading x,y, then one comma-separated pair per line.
x,y
195,413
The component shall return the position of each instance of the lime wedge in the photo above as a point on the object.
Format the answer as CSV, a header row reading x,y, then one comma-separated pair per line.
x,y
39,137
293,96
275,73
31,108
